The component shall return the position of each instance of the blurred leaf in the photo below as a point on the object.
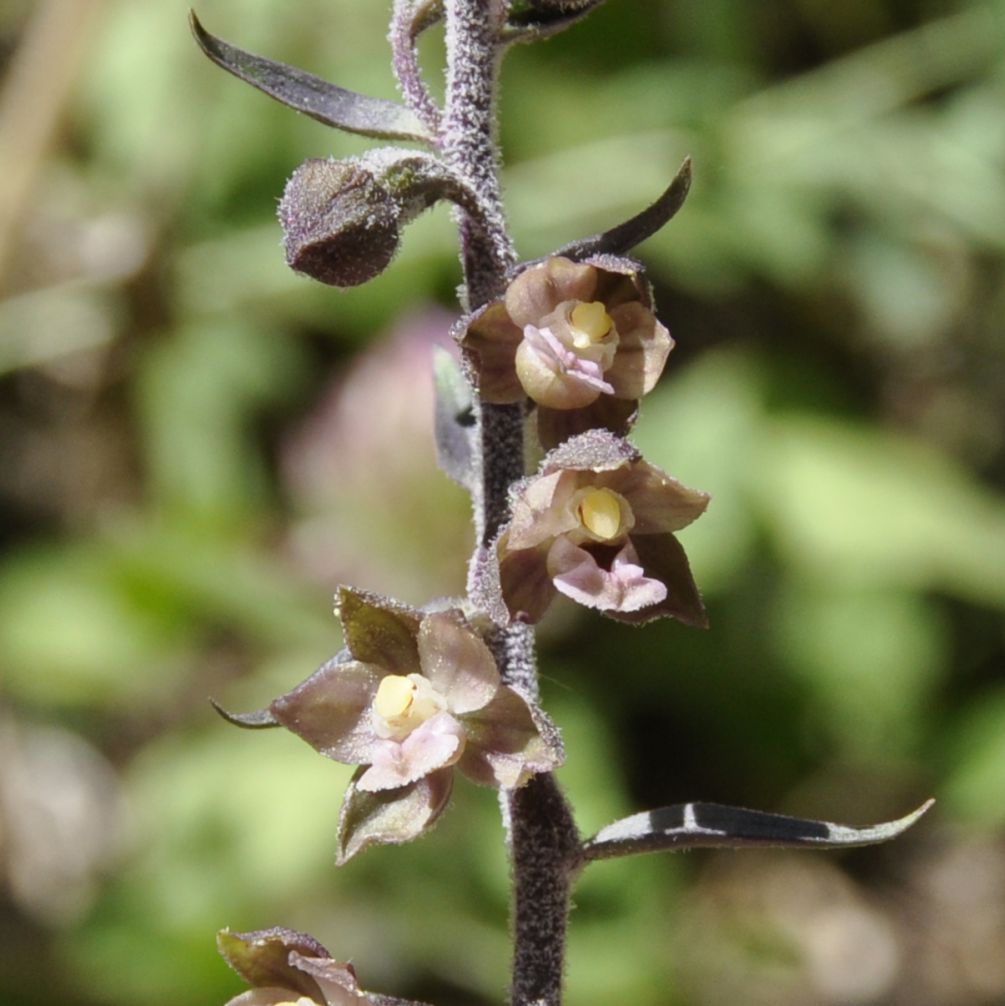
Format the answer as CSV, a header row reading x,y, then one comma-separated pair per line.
x,y
852,505
73,634
199,391
975,788
871,657
454,420
701,425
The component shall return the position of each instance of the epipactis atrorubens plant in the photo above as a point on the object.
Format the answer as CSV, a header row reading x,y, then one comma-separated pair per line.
x,y
555,356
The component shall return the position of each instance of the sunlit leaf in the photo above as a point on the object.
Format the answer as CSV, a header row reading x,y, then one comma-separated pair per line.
x,y
712,825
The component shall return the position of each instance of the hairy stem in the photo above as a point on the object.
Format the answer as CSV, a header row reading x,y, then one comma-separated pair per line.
x,y
545,845
469,142
406,24
543,839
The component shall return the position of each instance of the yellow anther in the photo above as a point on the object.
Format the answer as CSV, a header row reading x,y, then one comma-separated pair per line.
x,y
600,513
302,1001
590,323
394,697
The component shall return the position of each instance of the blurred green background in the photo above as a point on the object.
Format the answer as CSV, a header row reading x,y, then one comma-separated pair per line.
x,y
197,446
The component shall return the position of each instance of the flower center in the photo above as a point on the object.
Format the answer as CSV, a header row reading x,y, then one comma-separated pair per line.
x,y
590,323
599,511
404,703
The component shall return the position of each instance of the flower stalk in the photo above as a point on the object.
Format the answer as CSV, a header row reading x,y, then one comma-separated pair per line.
x,y
557,355
542,835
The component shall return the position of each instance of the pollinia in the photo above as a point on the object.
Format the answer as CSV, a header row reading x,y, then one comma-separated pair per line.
x,y
555,356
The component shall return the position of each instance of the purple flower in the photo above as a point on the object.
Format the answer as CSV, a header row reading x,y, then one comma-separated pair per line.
x,y
597,524
413,696
287,968
579,339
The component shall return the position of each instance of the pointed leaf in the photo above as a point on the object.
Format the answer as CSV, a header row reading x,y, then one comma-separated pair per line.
x,y
454,420
302,91
712,825
621,239
261,719
390,816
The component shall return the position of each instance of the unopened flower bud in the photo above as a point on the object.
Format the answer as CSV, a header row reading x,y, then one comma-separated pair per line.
x,y
341,225
342,219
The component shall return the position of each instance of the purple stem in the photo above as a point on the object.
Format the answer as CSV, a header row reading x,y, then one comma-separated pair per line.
x,y
543,840
405,29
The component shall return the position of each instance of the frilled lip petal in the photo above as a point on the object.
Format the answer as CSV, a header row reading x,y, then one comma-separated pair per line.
x,y
267,997
555,375
435,744
663,557
642,353
331,710
624,587
456,661
508,741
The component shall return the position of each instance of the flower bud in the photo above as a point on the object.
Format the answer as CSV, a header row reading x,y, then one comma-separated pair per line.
x,y
340,223
342,220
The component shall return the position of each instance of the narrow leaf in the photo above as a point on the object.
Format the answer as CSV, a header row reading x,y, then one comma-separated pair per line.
x,y
261,719
621,239
711,825
302,91
454,420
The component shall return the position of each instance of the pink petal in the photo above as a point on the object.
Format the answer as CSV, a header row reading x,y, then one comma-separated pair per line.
x,y
492,339
456,661
660,503
524,582
264,997
624,587
337,981
508,741
331,710
436,744
537,291
642,352
541,511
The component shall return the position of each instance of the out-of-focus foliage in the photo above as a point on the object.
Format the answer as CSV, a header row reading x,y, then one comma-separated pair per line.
x,y
196,446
